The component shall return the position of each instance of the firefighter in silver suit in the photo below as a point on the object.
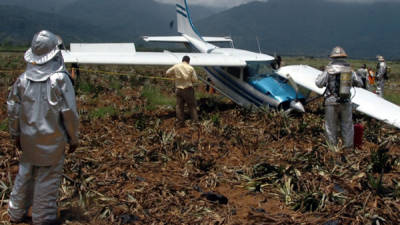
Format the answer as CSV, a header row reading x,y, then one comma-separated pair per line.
x,y
362,74
381,75
338,78
43,119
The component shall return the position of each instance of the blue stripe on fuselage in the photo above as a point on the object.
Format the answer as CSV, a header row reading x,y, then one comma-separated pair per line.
x,y
191,23
181,7
240,88
234,86
182,13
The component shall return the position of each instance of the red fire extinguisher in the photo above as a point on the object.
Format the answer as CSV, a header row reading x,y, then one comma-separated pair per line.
x,y
358,135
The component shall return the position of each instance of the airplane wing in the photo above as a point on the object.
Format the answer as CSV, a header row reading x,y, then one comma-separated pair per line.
x,y
181,39
363,100
125,54
375,106
303,75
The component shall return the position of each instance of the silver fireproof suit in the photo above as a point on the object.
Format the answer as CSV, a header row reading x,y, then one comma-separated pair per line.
x,y
338,111
381,70
362,74
42,113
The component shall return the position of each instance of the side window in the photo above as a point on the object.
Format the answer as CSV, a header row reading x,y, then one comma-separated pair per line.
x,y
234,71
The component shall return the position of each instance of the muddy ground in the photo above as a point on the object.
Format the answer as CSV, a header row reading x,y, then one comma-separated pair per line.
x,y
235,166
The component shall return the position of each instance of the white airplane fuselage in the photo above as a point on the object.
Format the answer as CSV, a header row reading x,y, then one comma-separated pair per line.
x,y
255,84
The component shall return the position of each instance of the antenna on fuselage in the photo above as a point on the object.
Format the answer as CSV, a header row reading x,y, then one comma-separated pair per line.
x,y
258,44
232,44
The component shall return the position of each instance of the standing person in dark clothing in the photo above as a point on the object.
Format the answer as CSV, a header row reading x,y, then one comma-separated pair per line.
x,y
277,63
362,73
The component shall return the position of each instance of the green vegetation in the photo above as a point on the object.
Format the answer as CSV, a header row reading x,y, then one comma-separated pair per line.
x,y
156,98
201,94
11,48
115,84
216,120
4,125
86,87
318,63
393,96
103,112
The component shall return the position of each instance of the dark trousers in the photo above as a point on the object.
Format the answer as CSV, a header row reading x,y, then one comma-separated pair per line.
x,y
185,96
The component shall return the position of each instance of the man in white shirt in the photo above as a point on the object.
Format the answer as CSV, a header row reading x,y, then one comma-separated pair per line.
x,y
185,76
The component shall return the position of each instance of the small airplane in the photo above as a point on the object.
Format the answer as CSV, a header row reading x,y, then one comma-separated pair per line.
x,y
247,78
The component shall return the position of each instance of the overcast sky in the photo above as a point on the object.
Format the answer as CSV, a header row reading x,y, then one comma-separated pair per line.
x,y
214,3
232,3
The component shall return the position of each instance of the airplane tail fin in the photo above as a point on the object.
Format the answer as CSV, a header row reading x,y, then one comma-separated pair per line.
x,y
184,20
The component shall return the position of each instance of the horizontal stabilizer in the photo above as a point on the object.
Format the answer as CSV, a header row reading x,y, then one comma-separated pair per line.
x,y
181,39
124,48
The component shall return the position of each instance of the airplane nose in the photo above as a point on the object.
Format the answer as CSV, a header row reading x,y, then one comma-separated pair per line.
x,y
296,105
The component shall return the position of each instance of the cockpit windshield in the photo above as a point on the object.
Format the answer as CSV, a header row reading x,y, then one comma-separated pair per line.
x,y
257,68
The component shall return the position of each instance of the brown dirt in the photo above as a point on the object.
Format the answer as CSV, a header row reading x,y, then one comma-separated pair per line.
x,y
135,167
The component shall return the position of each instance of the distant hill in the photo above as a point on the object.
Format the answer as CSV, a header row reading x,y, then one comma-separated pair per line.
x,y
49,6
127,19
130,19
18,25
287,27
311,27
88,20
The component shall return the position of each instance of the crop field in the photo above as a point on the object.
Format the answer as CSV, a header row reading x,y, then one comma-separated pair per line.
x,y
234,166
